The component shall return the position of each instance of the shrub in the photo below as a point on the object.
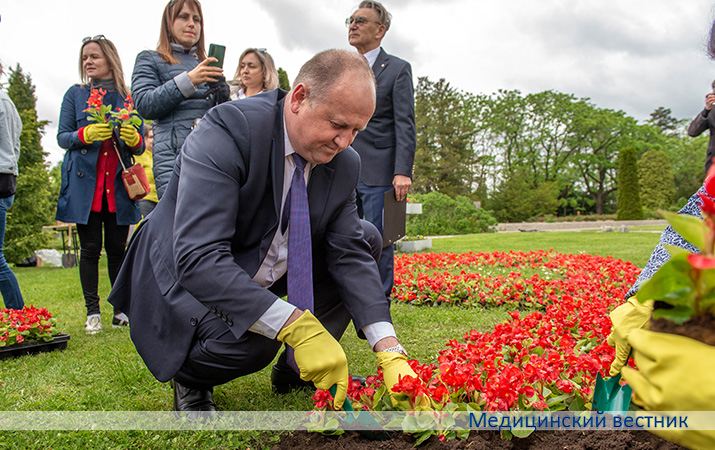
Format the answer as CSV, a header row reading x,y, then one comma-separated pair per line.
x,y
442,215
655,178
629,200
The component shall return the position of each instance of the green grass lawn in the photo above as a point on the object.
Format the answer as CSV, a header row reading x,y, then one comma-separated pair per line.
x,y
104,372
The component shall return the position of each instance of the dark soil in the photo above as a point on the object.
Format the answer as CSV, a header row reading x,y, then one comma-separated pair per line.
x,y
483,440
700,328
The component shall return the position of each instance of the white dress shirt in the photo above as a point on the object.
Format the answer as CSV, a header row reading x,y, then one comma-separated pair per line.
x,y
275,265
371,56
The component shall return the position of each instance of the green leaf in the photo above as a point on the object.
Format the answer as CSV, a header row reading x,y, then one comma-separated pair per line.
x,y
679,314
675,251
522,432
692,228
557,399
671,281
423,437
577,405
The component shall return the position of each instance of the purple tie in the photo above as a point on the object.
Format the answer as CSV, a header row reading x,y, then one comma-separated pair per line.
x,y
300,254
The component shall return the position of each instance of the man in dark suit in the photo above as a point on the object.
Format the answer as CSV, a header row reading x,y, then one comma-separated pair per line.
x,y
202,278
387,145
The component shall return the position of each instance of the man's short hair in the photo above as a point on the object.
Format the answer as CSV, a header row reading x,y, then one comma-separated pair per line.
x,y
384,16
323,70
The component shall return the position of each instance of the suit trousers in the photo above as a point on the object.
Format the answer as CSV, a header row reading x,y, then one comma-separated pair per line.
x,y
371,202
217,357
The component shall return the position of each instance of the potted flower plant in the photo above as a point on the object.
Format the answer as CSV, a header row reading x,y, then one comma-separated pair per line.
x,y
684,287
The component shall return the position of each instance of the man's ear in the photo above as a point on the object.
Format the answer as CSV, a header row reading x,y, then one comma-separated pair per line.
x,y
381,30
298,96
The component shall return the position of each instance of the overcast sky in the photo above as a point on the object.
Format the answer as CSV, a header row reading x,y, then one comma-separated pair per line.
x,y
630,55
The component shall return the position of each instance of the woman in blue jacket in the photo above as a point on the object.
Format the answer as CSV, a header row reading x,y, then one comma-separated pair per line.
x,y
174,86
92,194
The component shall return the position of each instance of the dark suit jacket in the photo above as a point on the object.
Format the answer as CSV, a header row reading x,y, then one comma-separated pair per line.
x,y
696,128
197,252
387,146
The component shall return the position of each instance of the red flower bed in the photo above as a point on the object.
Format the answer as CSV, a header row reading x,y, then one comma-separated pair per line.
x,y
543,360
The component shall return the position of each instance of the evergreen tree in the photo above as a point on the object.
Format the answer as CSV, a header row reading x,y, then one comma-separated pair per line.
x,y
655,178
283,81
629,201
33,200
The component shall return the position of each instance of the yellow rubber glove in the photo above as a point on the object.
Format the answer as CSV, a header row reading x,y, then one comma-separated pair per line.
x,y
674,373
129,135
318,355
97,132
394,365
630,316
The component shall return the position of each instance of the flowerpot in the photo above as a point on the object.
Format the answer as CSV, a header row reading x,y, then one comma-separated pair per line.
x,y
414,246
414,208
30,347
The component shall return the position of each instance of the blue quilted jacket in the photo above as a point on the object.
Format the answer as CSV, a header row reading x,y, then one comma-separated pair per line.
x,y
163,93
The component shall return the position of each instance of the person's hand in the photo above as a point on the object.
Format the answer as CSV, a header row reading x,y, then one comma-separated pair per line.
x,y
394,366
402,186
220,90
709,100
97,132
318,355
203,73
130,135
630,316
675,373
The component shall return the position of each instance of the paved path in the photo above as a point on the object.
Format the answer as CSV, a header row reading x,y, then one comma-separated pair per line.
x,y
611,225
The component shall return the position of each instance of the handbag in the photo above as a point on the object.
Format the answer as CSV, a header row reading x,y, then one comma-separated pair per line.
x,y
134,178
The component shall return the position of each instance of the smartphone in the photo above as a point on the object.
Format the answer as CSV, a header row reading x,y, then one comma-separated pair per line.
x,y
217,51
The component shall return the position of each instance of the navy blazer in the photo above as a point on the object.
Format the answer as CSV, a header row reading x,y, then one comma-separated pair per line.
x,y
387,146
197,252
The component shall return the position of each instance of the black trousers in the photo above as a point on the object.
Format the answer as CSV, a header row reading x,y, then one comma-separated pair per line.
x,y
90,243
217,357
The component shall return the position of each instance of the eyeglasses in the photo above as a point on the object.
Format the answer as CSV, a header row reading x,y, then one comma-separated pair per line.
x,y
95,38
359,21
262,50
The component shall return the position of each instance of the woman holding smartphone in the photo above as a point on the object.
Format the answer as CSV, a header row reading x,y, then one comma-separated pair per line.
x,y
174,86
256,73
92,194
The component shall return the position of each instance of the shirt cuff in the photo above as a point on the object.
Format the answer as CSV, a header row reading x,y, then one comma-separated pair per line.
x,y
183,82
706,112
271,322
80,135
376,331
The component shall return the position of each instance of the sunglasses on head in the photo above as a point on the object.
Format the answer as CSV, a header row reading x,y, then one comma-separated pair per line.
x,y
94,38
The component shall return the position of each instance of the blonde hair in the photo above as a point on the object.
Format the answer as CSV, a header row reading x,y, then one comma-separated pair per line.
x,y
115,64
270,74
172,10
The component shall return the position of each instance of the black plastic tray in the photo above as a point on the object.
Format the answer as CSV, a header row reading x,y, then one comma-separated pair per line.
x,y
30,347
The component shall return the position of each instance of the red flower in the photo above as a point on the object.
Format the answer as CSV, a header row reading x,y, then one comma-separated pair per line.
x,y
701,262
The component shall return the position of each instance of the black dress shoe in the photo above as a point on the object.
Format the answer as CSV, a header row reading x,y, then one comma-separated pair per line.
x,y
285,380
359,379
194,403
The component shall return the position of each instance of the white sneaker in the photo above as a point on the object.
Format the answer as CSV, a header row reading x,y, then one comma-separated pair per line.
x,y
120,320
93,324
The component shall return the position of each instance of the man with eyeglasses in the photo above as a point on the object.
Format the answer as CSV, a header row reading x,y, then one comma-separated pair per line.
x,y
387,146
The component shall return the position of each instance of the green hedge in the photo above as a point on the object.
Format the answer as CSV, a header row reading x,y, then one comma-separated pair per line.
x,y
442,215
